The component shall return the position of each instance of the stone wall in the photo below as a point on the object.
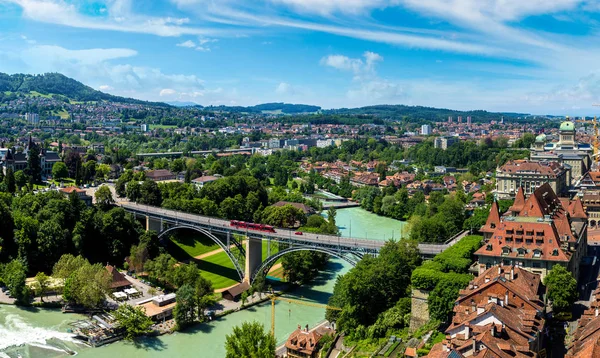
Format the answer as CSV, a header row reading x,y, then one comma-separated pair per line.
x,y
419,314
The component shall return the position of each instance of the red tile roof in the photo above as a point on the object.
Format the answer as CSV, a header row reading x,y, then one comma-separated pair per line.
x,y
519,202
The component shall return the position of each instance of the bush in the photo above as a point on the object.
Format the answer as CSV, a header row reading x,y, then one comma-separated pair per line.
x,y
426,279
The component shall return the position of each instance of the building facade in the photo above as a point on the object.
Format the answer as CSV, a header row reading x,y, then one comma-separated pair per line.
x,y
426,129
444,142
531,175
536,234
567,150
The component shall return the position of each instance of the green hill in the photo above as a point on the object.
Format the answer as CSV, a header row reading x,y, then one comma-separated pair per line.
x,y
56,83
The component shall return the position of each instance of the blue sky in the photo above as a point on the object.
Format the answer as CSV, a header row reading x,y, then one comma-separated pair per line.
x,y
534,56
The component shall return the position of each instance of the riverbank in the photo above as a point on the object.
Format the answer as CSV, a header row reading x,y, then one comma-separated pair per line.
x,y
41,333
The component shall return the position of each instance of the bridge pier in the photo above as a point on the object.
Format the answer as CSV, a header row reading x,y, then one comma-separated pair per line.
x,y
253,258
153,224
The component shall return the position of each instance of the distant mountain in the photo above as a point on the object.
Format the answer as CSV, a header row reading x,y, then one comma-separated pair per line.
x,y
285,108
420,112
184,104
58,84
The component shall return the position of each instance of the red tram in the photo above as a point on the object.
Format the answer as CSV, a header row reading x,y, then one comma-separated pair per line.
x,y
251,226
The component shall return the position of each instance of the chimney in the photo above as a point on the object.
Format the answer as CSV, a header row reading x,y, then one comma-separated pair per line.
x,y
487,279
475,350
467,331
473,306
597,312
499,270
445,347
506,298
493,330
512,273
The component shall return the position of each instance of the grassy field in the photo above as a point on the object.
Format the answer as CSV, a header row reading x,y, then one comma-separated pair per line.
x,y
217,268
161,126
193,244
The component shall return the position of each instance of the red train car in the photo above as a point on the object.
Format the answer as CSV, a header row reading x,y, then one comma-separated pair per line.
x,y
251,226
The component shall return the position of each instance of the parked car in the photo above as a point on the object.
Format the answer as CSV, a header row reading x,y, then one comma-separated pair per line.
x,y
298,233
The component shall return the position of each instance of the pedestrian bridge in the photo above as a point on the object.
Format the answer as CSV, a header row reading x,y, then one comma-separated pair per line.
x,y
226,236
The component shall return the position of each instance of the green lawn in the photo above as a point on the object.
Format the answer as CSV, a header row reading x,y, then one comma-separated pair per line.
x,y
161,126
193,244
217,268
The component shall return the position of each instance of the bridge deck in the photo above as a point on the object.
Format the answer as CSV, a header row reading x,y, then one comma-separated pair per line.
x,y
283,235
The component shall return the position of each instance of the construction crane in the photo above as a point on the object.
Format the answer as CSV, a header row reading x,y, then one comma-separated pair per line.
x,y
289,300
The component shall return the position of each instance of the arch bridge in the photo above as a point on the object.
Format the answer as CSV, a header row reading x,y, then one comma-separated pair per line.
x,y
251,264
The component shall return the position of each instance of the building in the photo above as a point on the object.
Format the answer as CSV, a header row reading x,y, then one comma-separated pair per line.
x,y
32,118
499,314
536,234
307,210
234,293
18,160
586,338
577,155
426,129
159,307
531,175
82,194
324,143
591,205
160,175
444,142
118,280
468,120
201,181
303,343
275,143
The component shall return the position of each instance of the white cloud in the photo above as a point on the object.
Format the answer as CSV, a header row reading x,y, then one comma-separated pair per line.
x,y
203,49
119,17
284,88
326,7
188,44
204,40
94,67
49,54
167,92
28,40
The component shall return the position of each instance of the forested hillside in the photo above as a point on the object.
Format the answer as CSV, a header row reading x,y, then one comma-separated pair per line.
x,y
58,84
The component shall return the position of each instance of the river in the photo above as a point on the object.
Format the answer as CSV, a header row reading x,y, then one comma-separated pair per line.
x,y
42,333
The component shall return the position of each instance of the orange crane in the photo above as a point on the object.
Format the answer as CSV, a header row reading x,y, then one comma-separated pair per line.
x,y
289,300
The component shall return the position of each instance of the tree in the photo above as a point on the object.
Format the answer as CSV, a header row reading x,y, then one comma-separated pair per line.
x,y
20,178
133,320
244,298
150,193
102,171
442,297
133,190
561,287
34,167
85,284
10,181
42,282
60,171
359,292
104,197
185,309
14,275
249,340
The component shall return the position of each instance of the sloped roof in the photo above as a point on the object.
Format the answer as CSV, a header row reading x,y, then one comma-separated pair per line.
x,y
519,202
118,279
493,219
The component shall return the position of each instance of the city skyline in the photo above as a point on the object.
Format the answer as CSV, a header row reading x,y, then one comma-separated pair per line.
x,y
535,57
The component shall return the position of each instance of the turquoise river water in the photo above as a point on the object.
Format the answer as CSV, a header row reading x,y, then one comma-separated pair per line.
x,y
33,333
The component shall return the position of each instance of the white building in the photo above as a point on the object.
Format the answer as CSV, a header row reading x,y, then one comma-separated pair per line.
x,y
324,143
426,129
32,118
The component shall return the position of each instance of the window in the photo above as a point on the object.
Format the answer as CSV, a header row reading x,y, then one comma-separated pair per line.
x,y
506,251
521,252
537,253
555,252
